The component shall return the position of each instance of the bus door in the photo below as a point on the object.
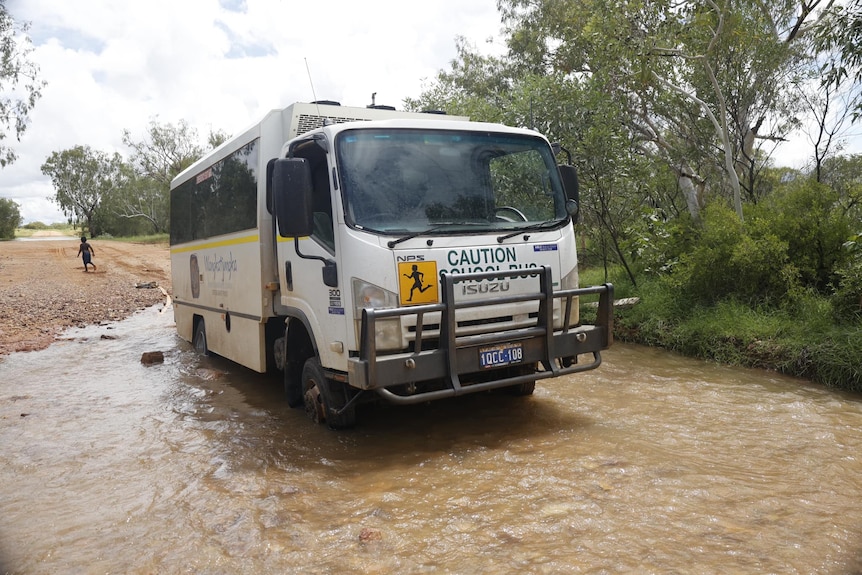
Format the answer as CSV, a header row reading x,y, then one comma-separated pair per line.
x,y
309,276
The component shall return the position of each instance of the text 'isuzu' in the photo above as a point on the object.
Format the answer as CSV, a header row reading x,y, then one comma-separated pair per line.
x,y
376,254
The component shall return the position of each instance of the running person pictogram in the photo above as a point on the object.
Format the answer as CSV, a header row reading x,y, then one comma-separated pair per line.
x,y
417,278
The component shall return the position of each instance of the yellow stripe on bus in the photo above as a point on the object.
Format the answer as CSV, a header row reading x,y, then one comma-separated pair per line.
x,y
219,244
282,239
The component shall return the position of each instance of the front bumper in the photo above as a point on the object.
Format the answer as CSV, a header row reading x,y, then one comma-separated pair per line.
x,y
456,356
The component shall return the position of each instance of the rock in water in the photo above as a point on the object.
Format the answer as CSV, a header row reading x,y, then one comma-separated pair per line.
x,y
152,357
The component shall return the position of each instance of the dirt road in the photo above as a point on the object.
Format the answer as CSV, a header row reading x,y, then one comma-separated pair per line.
x,y
44,289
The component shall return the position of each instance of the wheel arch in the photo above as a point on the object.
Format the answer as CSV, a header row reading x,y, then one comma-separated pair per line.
x,y
300,343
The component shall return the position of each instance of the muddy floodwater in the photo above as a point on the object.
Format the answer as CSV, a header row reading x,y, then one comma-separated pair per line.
x,y
652,464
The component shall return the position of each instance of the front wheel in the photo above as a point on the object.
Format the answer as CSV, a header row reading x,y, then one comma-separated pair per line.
x,y
324,397
522,389
293,390
200,338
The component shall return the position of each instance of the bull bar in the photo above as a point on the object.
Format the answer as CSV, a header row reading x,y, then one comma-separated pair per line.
x,y
555,350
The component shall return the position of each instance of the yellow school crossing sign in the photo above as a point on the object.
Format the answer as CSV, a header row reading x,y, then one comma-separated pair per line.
x,y
418,282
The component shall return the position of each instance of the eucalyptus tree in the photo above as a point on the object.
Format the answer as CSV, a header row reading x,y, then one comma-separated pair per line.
x,y
82,178
164,151
477,86
138,205
703,85
20,85
10,218
840,34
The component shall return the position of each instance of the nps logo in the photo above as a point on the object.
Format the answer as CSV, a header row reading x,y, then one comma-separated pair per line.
x,y
418,282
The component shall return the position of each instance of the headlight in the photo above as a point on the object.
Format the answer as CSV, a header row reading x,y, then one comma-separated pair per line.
x,y
387,331
366,294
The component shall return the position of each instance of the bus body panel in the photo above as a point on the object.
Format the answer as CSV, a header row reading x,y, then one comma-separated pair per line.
x,y
220,280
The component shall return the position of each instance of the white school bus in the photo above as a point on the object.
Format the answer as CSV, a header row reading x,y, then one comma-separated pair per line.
x,y
376,254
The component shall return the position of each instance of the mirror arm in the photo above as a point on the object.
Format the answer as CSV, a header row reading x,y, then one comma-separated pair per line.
x,y
330,270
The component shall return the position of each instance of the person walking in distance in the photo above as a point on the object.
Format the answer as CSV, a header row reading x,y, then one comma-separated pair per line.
x,y
86,252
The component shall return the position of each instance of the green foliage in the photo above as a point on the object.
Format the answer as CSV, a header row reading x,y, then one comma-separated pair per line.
x,y
35,226
82,177
664,107
143,238
844,175
659,243
108,195
10,218
833,358
728,262
840,34
164,152
808,218
797,339
724,332
790,241
847,298
19,83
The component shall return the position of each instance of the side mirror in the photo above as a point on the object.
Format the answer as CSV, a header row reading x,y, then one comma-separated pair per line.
x,y
330,273
291,187
569,177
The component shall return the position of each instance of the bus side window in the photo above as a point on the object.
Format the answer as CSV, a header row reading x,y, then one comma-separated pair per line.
x,y
269,167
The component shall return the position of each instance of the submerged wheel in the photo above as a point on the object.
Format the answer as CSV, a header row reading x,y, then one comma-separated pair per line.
x,y
323,397
293,392
200,338
526,388
522,389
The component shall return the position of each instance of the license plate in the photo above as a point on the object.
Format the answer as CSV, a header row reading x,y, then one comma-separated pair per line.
x,y
503,354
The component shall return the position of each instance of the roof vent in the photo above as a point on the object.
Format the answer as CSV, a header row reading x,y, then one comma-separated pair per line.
x,y
375,106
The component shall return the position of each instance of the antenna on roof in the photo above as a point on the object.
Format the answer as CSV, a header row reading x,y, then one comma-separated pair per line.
x,y
313,94
373,98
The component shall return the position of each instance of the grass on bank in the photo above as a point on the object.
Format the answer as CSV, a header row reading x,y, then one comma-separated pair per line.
x,y
799,339
143,239
29,231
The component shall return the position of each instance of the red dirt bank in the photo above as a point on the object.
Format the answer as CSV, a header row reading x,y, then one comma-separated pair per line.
x,y
44,289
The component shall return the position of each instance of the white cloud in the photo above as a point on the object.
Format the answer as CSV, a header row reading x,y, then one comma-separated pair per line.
x,y
221,65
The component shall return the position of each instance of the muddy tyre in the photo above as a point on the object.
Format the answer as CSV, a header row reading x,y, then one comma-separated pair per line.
x,y
200,338
324,397
293,390
522,389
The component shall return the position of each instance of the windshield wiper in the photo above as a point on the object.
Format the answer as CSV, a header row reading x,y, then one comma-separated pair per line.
x,y
432,229
537,226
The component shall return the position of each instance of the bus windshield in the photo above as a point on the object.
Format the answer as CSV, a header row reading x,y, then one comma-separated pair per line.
x,y
402,181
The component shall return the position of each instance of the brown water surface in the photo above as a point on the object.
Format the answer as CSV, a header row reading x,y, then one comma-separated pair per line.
x,y
652,464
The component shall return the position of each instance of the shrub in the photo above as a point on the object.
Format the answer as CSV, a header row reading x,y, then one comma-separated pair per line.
x,y
807,216
847,297
35,226
727,262
10,218
658,243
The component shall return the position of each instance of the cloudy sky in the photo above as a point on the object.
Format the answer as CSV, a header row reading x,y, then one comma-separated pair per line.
x,y
221,64
113,65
